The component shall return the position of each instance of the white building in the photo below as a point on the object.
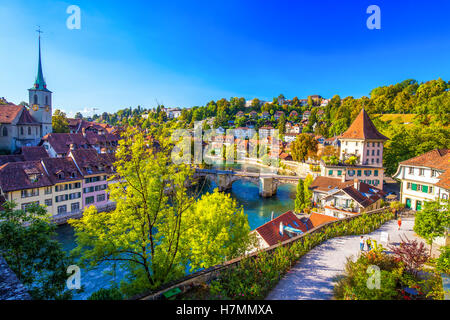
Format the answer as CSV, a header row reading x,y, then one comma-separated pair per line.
x,y
424,178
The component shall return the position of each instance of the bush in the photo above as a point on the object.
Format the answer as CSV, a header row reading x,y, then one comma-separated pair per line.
x,y
107,294
443,262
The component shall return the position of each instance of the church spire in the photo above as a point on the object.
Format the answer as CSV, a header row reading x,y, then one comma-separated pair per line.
x,y
40,84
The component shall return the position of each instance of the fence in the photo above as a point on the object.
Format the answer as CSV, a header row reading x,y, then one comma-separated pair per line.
x,y
212,273
63,218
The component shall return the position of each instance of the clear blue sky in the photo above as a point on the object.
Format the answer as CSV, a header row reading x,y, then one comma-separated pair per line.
x,y
186,53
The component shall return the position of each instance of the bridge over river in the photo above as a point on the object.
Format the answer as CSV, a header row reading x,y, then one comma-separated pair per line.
x,y
267,182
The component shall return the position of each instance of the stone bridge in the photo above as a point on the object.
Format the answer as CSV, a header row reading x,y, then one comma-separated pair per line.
x,y
267,182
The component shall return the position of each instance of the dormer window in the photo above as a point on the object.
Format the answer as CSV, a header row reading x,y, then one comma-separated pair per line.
x,y
61,175
33,178
73,175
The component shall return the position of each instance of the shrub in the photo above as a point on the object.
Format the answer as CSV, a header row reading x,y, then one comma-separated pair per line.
x,y
107,294
412,253
443,262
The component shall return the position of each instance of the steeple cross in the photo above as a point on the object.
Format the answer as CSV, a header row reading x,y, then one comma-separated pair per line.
x,y
39,31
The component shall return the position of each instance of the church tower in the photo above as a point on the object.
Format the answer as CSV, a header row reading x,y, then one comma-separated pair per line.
x,y
40,99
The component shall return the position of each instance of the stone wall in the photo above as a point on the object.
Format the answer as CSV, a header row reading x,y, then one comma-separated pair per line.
x,y
10,287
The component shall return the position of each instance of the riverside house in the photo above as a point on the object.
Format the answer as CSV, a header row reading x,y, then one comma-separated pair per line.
x,y
424,178
25,183
361,153
95,169
65,194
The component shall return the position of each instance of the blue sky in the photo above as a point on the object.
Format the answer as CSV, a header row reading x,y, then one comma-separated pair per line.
x,y
186,53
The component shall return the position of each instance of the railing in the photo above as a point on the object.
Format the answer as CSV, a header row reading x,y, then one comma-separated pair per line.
x,y
212,273
64,217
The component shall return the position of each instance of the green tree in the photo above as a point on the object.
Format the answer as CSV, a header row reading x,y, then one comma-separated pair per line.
x,y
60,124
303,146
308,193
282,124
217,230
433,220
300,196
27,244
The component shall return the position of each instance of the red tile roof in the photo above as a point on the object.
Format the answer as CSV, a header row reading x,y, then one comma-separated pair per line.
x,y
90,162
9,112
316,219
325,184
26,118
363,128
437,159
270,231
16,176
66,166
34,153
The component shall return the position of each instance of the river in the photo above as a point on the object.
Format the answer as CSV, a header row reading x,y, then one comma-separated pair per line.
x,y
257,209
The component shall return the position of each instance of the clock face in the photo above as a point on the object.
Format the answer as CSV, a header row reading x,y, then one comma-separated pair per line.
x,y
35,107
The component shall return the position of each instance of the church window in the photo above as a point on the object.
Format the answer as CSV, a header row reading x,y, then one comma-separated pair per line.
x,y
29,130
46,100
21,130
5,132
35,99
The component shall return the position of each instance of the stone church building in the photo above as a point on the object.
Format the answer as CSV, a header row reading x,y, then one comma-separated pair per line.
x,y
21,126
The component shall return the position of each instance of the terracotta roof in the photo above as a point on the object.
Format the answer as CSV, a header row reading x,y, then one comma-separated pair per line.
x,y
316,219
66,166
26,118
90,162
437,159
34,153
363,128
270,231
444,180
9,112
61,142
325,184
11,158
13,176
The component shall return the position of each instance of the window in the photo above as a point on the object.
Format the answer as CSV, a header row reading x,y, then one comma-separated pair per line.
x,y
408,185
378,144
411,170
425,189
444,196
368,152
358,173
373,152
330,172
367,172
378,152
21,130
101,197
421,172
431,189
25,206
35,99
75,206
48,190
339,173
433,173
46,100
29,193
48,202
378,160
5,132
414,186
373,160
29,131
375,172
89,200
62,209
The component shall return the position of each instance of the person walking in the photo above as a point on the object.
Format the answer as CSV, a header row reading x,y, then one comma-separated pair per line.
x,y
369,244
399,222
361,243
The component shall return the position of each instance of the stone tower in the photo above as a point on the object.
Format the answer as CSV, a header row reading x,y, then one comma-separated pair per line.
x,y
40,99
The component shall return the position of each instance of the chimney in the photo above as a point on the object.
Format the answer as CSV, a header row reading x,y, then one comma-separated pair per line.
x,y
281,228
72,147
356,184
271,217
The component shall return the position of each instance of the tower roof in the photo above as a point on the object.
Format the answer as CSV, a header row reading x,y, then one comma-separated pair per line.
x,y
363,128
39,83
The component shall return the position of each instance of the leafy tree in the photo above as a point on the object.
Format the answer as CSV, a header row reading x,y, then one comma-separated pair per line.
x,y
433,220
308,193
78,115
303,146
60,123
217,230
149,232
282,124
28,246
300,196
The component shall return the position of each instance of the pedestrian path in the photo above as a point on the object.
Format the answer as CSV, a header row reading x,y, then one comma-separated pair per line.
x,y
313,277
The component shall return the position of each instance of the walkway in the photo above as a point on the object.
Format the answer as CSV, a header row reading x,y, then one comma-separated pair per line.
x,y
312,278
